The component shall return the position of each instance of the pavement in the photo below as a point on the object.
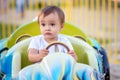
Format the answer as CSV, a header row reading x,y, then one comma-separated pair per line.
x,y
115,72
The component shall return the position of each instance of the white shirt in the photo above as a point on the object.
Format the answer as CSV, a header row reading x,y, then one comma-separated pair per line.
x,y
38,43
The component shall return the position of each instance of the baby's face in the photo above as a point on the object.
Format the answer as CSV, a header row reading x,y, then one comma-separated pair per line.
x,y
50,25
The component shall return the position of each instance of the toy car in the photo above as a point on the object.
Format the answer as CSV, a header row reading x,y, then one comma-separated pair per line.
x,y
14,64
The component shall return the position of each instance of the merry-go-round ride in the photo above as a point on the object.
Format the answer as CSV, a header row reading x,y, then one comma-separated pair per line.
x,y
92,61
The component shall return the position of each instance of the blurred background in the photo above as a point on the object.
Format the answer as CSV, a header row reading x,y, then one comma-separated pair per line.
x,y
99,19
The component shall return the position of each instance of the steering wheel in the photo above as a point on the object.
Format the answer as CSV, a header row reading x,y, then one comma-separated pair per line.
x,y
58,43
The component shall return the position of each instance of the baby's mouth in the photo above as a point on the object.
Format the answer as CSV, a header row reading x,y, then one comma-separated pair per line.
x,y
48,33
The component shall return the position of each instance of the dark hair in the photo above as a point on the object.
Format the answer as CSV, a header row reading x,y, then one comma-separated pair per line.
x,y
52,9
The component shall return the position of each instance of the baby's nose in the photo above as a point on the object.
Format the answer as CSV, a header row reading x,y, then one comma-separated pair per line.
x,y
48,27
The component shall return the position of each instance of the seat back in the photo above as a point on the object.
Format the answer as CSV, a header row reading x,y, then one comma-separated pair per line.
x,y
32,29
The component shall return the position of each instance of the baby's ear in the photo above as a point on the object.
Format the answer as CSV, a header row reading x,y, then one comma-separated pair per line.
x,y
62,25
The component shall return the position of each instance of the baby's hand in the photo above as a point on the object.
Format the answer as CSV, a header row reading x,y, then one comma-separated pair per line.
x,y
43,52
73,54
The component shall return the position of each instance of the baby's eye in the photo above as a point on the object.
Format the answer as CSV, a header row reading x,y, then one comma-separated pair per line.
x,y
52,24
43,24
